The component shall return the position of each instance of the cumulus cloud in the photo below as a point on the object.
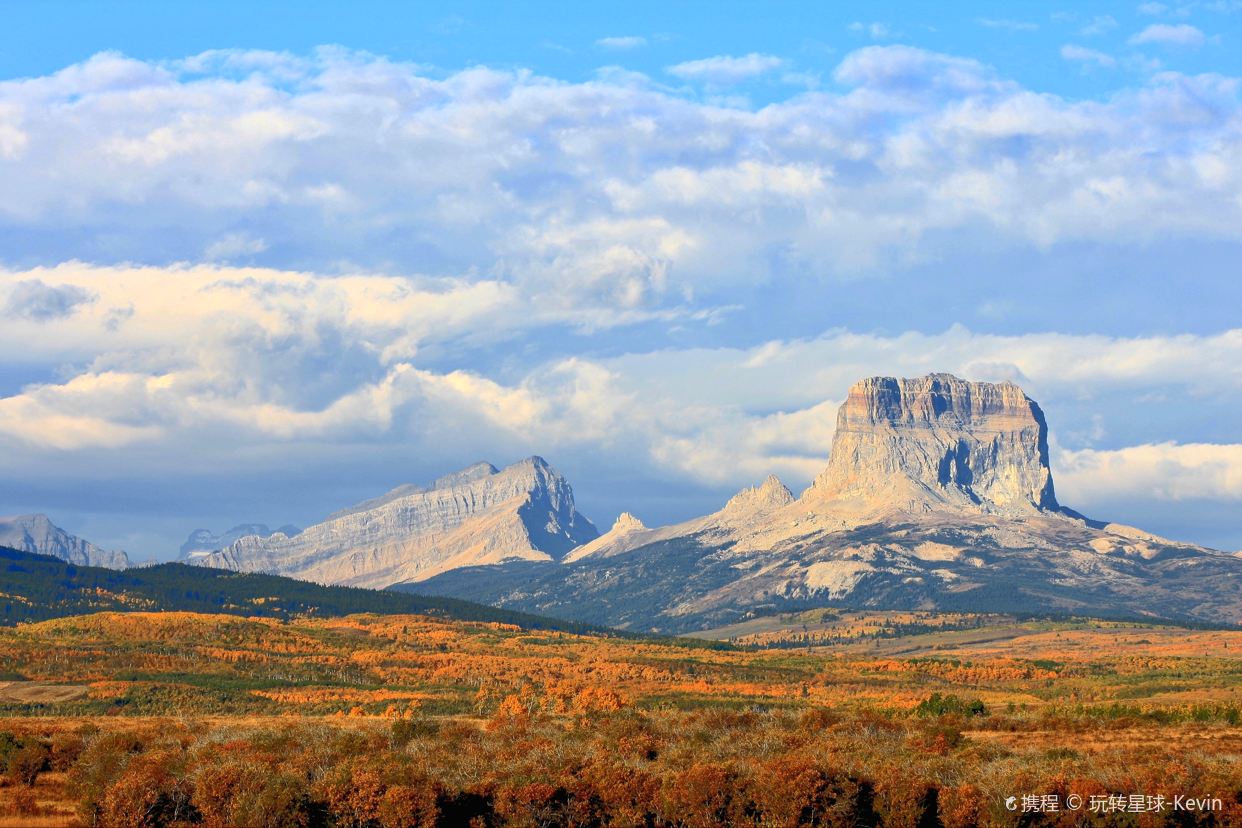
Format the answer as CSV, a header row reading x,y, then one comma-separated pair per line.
x,y
338,161
275,370
491,263
725,70
1167,471
35,300
166,354
1165,34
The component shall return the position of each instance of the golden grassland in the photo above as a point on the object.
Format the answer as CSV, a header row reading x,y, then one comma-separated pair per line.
x,y
847,719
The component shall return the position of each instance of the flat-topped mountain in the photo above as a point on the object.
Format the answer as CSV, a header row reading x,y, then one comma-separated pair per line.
x,y
37,534
937,495
478,516
938,441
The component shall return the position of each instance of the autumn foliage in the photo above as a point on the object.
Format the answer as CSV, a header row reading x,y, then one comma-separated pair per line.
x,y
379,722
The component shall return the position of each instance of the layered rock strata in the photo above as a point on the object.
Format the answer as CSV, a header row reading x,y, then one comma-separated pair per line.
x,y
478,516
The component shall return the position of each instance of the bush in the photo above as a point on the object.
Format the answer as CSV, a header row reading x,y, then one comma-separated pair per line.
x,y
25,765
353,794
278,800
938,705
410,806
147,794
65,750
961,806
704,796
103,760
404,731
791,792
9,744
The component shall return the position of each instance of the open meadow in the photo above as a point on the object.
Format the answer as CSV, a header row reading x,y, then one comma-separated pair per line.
x,y
182,718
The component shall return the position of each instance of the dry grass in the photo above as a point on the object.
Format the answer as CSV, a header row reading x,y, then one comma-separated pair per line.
x,y
53,807
40,692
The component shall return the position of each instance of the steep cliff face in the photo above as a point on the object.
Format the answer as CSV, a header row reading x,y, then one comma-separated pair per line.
x,y
36,533
939,440
478,516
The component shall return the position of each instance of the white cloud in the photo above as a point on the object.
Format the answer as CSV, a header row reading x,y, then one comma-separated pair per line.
x,y
339,162
726,70
622,42
213,364
1152,9
1165,34
1081,54
1162,471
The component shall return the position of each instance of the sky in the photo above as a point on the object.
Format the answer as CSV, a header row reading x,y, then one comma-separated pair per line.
x,y
259,264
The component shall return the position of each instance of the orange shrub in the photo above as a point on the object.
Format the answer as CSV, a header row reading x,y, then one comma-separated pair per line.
x,y
146,795
704,796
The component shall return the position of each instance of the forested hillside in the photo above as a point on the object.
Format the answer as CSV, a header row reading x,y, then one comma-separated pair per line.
x,y
40,587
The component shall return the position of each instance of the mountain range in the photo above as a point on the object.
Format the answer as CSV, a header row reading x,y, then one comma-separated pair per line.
x,y
937,494
37,534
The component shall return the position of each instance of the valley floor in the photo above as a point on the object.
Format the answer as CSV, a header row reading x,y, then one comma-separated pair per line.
x,y
844,719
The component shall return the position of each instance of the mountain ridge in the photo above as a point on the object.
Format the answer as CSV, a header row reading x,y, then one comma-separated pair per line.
x,y
37,534
478,515
938,494
204,541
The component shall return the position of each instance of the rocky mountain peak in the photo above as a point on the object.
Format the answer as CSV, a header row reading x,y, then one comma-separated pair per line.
x,y
204,541
477,516
467,475
627,522
939,439
37,534
770,494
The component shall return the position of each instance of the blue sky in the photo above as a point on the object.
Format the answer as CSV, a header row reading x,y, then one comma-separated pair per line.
x,y
572,41
259,264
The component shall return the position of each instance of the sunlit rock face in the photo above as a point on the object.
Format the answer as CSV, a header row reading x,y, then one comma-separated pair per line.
x,y
939,440
478,516
36,533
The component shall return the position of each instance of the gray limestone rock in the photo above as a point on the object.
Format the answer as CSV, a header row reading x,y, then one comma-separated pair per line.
x,y
478,516
36,533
